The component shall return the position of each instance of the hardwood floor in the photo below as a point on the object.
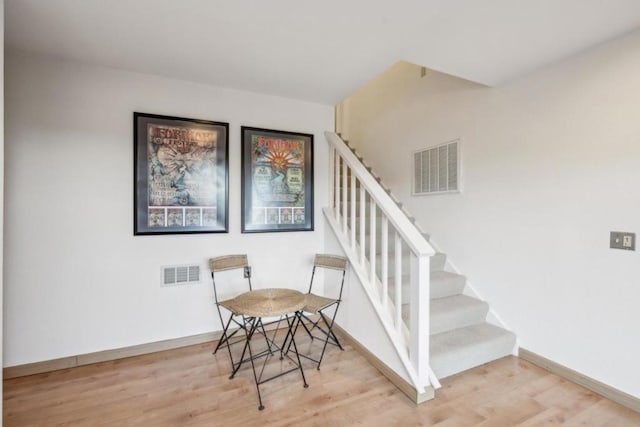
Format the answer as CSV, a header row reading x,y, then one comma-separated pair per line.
x,y
189,386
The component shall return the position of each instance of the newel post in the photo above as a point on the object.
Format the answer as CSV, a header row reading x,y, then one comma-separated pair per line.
x,y
419,316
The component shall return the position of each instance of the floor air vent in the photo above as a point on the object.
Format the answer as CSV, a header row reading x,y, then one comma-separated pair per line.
x,y
180,275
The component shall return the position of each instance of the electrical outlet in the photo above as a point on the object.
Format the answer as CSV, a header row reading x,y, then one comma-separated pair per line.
x,y
622,240
247,272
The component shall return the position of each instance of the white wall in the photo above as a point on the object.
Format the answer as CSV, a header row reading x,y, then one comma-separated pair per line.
x,y
551,165
76,279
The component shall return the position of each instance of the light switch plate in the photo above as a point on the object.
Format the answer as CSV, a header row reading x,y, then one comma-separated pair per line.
x,y
622,240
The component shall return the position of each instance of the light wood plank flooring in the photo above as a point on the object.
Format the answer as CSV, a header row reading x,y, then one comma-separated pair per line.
x,y
189,386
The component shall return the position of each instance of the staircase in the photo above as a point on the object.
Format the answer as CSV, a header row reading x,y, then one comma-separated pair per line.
x,y
459,336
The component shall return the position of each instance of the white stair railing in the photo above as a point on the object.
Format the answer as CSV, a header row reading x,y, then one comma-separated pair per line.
x,y
372,229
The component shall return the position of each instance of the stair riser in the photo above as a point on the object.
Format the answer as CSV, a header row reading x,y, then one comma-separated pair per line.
x,y
438,262
439,288
452,363
454,319
448,287
406,291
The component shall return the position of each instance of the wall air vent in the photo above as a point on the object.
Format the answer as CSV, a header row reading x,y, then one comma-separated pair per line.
x,y
174,275
436,169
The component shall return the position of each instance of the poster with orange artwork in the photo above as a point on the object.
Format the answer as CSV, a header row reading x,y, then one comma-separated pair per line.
x,y
277,180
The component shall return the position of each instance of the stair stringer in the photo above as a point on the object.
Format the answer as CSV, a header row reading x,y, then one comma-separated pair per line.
x,y
400,363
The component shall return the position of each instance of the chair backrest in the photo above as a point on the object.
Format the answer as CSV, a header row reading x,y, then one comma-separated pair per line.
x,y
228,262
332,262
225,263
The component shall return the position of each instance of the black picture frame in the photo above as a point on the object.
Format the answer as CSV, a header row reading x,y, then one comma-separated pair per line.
x,y
181,175
277,180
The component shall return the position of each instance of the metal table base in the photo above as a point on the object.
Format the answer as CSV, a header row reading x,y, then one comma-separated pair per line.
x,y
254,324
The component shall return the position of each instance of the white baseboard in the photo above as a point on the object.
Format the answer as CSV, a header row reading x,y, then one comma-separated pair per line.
x,y
595,386
404,386
114,354
137,350
106,355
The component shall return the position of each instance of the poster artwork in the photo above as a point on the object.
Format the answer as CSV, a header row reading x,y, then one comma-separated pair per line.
x,y
277,166
209,216
156,217
181,173
258,215
298,216
286,215
192,218
272,216
175,217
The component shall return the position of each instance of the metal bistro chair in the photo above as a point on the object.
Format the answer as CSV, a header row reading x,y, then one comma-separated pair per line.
x,y
316,304
226,263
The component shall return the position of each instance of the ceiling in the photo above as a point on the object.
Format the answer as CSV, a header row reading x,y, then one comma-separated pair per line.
x,y
319,51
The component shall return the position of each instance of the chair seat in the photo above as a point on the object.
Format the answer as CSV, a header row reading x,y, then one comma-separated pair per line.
x,y
314,303
230,304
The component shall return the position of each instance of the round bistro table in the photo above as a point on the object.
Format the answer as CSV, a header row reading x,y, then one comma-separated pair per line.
x,y
255,305
269,302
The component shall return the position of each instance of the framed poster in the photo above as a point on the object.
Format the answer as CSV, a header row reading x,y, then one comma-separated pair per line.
x,y
181,178
277,181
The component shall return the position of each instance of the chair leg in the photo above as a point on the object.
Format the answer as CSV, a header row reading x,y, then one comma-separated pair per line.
x,y
305,326
254,325
329,334
224,331
333,337
242,325
289,336
224,338
236,367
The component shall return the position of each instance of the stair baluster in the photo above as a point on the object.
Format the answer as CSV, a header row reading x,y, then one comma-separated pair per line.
x,y
363,204
345,190
336,190
398,281
372,243
353,211
384,260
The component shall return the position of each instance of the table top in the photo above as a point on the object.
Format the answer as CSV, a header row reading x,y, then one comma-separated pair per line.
x,y
269,302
